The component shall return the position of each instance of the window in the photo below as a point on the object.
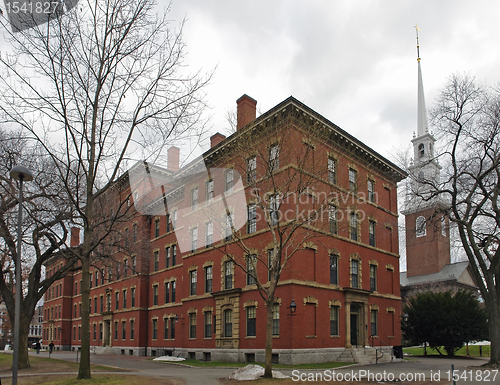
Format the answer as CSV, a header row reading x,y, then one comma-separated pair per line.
x,y
108,302
96,278
117,300
276,319
95,331
251,317
134,232
95,305
274,157
420,227
194,198
192,325
208,279
172,290
165,328
193,278
194,239
124,299
371,191
132,329
354,273
124,330
132,297
209,188
116,330
251,169
167,257
156,259
334,321
229,180
174,254
333,220
270,267
208,324
229,226
172,328
167,292
353,180
228,323
252,219
332,171
251,269
155,295
168,227
353,226
228,274
334,269
100,331
373,322
134,264
421,150
102,304
157,228
371,233
174,219
125,265
373,277
209,235
274,206
155,329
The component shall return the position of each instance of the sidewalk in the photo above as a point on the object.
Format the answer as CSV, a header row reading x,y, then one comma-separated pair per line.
x,y
432,367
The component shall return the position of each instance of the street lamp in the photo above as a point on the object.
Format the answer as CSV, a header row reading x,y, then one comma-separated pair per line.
x,y
21,174
293,307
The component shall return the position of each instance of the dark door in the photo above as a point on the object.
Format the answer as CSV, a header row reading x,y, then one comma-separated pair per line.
x,y
354,329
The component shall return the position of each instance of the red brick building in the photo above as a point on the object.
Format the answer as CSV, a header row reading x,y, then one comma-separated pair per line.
x,y
174,285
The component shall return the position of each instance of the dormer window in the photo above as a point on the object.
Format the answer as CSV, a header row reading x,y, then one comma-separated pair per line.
x,y
421,150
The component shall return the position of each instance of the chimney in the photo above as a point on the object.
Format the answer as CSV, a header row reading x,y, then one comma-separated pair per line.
x,y
246,111
215,139
75,237
173,159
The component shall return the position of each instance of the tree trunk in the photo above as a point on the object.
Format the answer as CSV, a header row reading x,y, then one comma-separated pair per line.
x,y
493,322
23,357
268,369
84,369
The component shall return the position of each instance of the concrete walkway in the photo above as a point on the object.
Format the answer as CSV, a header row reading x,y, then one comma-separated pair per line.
x,y
433,367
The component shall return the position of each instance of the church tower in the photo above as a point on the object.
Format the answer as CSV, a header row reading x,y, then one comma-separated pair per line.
x,y
427,231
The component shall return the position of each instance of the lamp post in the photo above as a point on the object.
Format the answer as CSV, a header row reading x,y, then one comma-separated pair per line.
x,y
21,174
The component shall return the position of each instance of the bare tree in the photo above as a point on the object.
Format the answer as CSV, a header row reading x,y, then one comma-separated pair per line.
x,y
98,86
48,213
467,121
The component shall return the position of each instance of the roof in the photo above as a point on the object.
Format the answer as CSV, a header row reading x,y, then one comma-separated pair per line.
x,y
452,271
300,110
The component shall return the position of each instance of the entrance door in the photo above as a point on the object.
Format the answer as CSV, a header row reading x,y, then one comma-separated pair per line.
x,y
354,329
107,333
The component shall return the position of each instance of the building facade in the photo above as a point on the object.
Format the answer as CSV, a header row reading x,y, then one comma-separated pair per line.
x,y
182,274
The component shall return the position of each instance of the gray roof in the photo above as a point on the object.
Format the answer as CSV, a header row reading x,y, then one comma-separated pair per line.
x,y
449,272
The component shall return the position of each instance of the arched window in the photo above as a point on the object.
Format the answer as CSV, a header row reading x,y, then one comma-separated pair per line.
x,y
421,150
420,227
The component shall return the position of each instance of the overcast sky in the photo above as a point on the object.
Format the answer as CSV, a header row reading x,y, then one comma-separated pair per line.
x,y
352,61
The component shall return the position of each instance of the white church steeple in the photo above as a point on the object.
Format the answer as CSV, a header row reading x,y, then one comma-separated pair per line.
x,y
425,170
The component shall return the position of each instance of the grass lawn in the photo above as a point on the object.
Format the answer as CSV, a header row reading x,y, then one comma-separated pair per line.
x,y
473,351
50,365
214,364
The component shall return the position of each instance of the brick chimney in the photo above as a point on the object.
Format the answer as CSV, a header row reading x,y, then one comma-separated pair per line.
x,y
173,159
215,139
75,237
246,110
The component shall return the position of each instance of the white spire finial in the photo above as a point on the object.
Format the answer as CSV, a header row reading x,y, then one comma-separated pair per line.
x,y
422,125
